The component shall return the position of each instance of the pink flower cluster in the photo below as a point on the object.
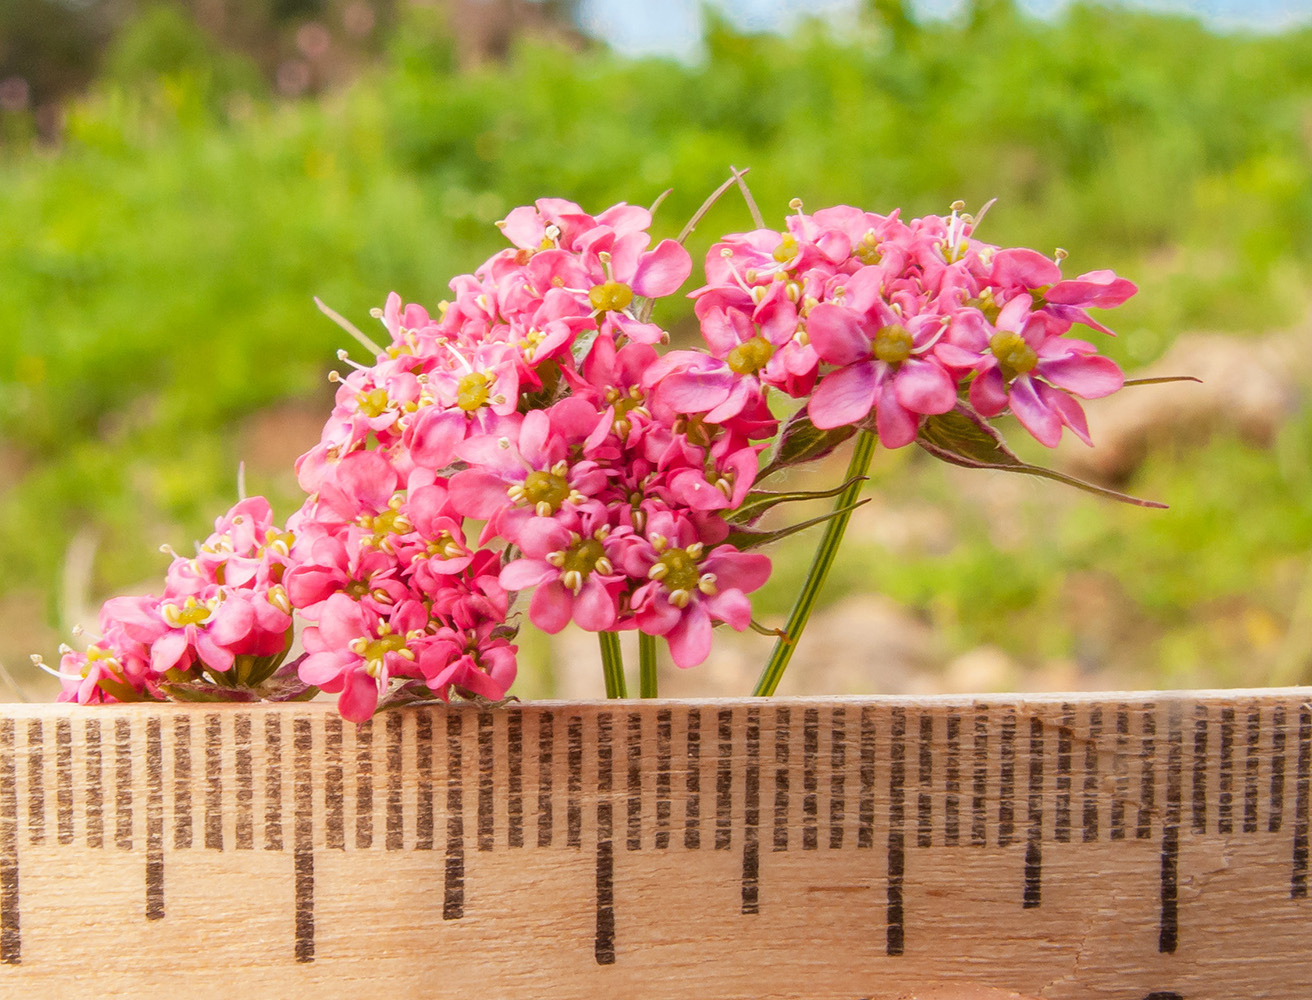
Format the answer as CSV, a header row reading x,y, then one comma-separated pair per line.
x,y
605,477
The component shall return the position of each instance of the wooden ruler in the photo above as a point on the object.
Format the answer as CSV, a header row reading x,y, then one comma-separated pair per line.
x,y
1109,846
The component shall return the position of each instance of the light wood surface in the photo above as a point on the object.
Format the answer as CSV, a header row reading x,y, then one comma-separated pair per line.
x,y
1117,846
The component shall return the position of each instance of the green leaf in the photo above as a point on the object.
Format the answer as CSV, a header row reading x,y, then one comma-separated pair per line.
x,y
751,538
962,437
801,441
758,502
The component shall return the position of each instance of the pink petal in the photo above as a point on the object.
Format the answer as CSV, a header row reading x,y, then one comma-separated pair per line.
x,y
359,697
690,639
1089,376
323,668
1035,415
1026,268
923,387
1102,289
1069,410
843,397
477,494
524,573
167,651
895,424
838,334
551,607
988,391
662,270
594,609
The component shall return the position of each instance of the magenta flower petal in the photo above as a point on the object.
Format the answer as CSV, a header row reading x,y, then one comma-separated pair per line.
x,y
168,650
1102,289
662,270
1068,410
988,391
896,425
1089,376
843,397
359,697
212,654
524,573
690,639
475,493
923,387
838,334
1035,415
551,607
594,609
1026,268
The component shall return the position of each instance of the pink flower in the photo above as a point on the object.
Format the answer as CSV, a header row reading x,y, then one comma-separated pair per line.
x,y
689,584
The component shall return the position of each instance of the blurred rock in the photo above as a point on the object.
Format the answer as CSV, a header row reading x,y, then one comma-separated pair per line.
x,y
1249,385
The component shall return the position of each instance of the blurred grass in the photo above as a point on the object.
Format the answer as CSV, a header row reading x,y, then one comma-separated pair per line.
x,y
156,275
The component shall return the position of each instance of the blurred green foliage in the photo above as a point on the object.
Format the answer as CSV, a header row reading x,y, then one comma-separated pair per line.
x,y
157,269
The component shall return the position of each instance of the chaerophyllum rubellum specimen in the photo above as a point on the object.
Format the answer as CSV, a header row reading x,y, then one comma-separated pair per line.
x,y
528,449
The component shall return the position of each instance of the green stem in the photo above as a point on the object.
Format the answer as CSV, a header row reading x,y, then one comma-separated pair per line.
x,y
824,558
612,664
646,665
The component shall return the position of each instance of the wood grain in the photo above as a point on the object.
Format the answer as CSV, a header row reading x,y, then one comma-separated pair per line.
x,y
1067,846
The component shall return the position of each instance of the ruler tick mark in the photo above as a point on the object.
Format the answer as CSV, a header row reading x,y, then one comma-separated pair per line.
x,y
213,783
724,782
154,820
10,930
634,751
1251,763
1091,776
692,828
334,785
751,899
925,800
979,800
1198,808
515,778
951,780
1062,810
546,756
273,782
837,777
1276,817
865,820
486,764
303,836
1121,773
241,725
123,784
782,734
1169,934
364,784
895,936
604,948
664,733
36,779
574,784
810,779
424,765
1148,777
453,899
1034,838
1298,878
395,830
182,831
1224,804
95,789
1007,780
64,779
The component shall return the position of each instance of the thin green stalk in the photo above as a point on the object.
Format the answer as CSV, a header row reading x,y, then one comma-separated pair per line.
x,y
824,558
646,665
612,664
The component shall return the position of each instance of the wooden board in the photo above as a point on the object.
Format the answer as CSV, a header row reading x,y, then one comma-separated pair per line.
x,y
1074,846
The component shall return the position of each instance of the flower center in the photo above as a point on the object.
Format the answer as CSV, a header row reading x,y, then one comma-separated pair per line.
x,y
471,391
376,649
751,356
1015,357
611,296
583,557
680,570
893,344
356,589
545,487
867,251
192,612
374,403
786,250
